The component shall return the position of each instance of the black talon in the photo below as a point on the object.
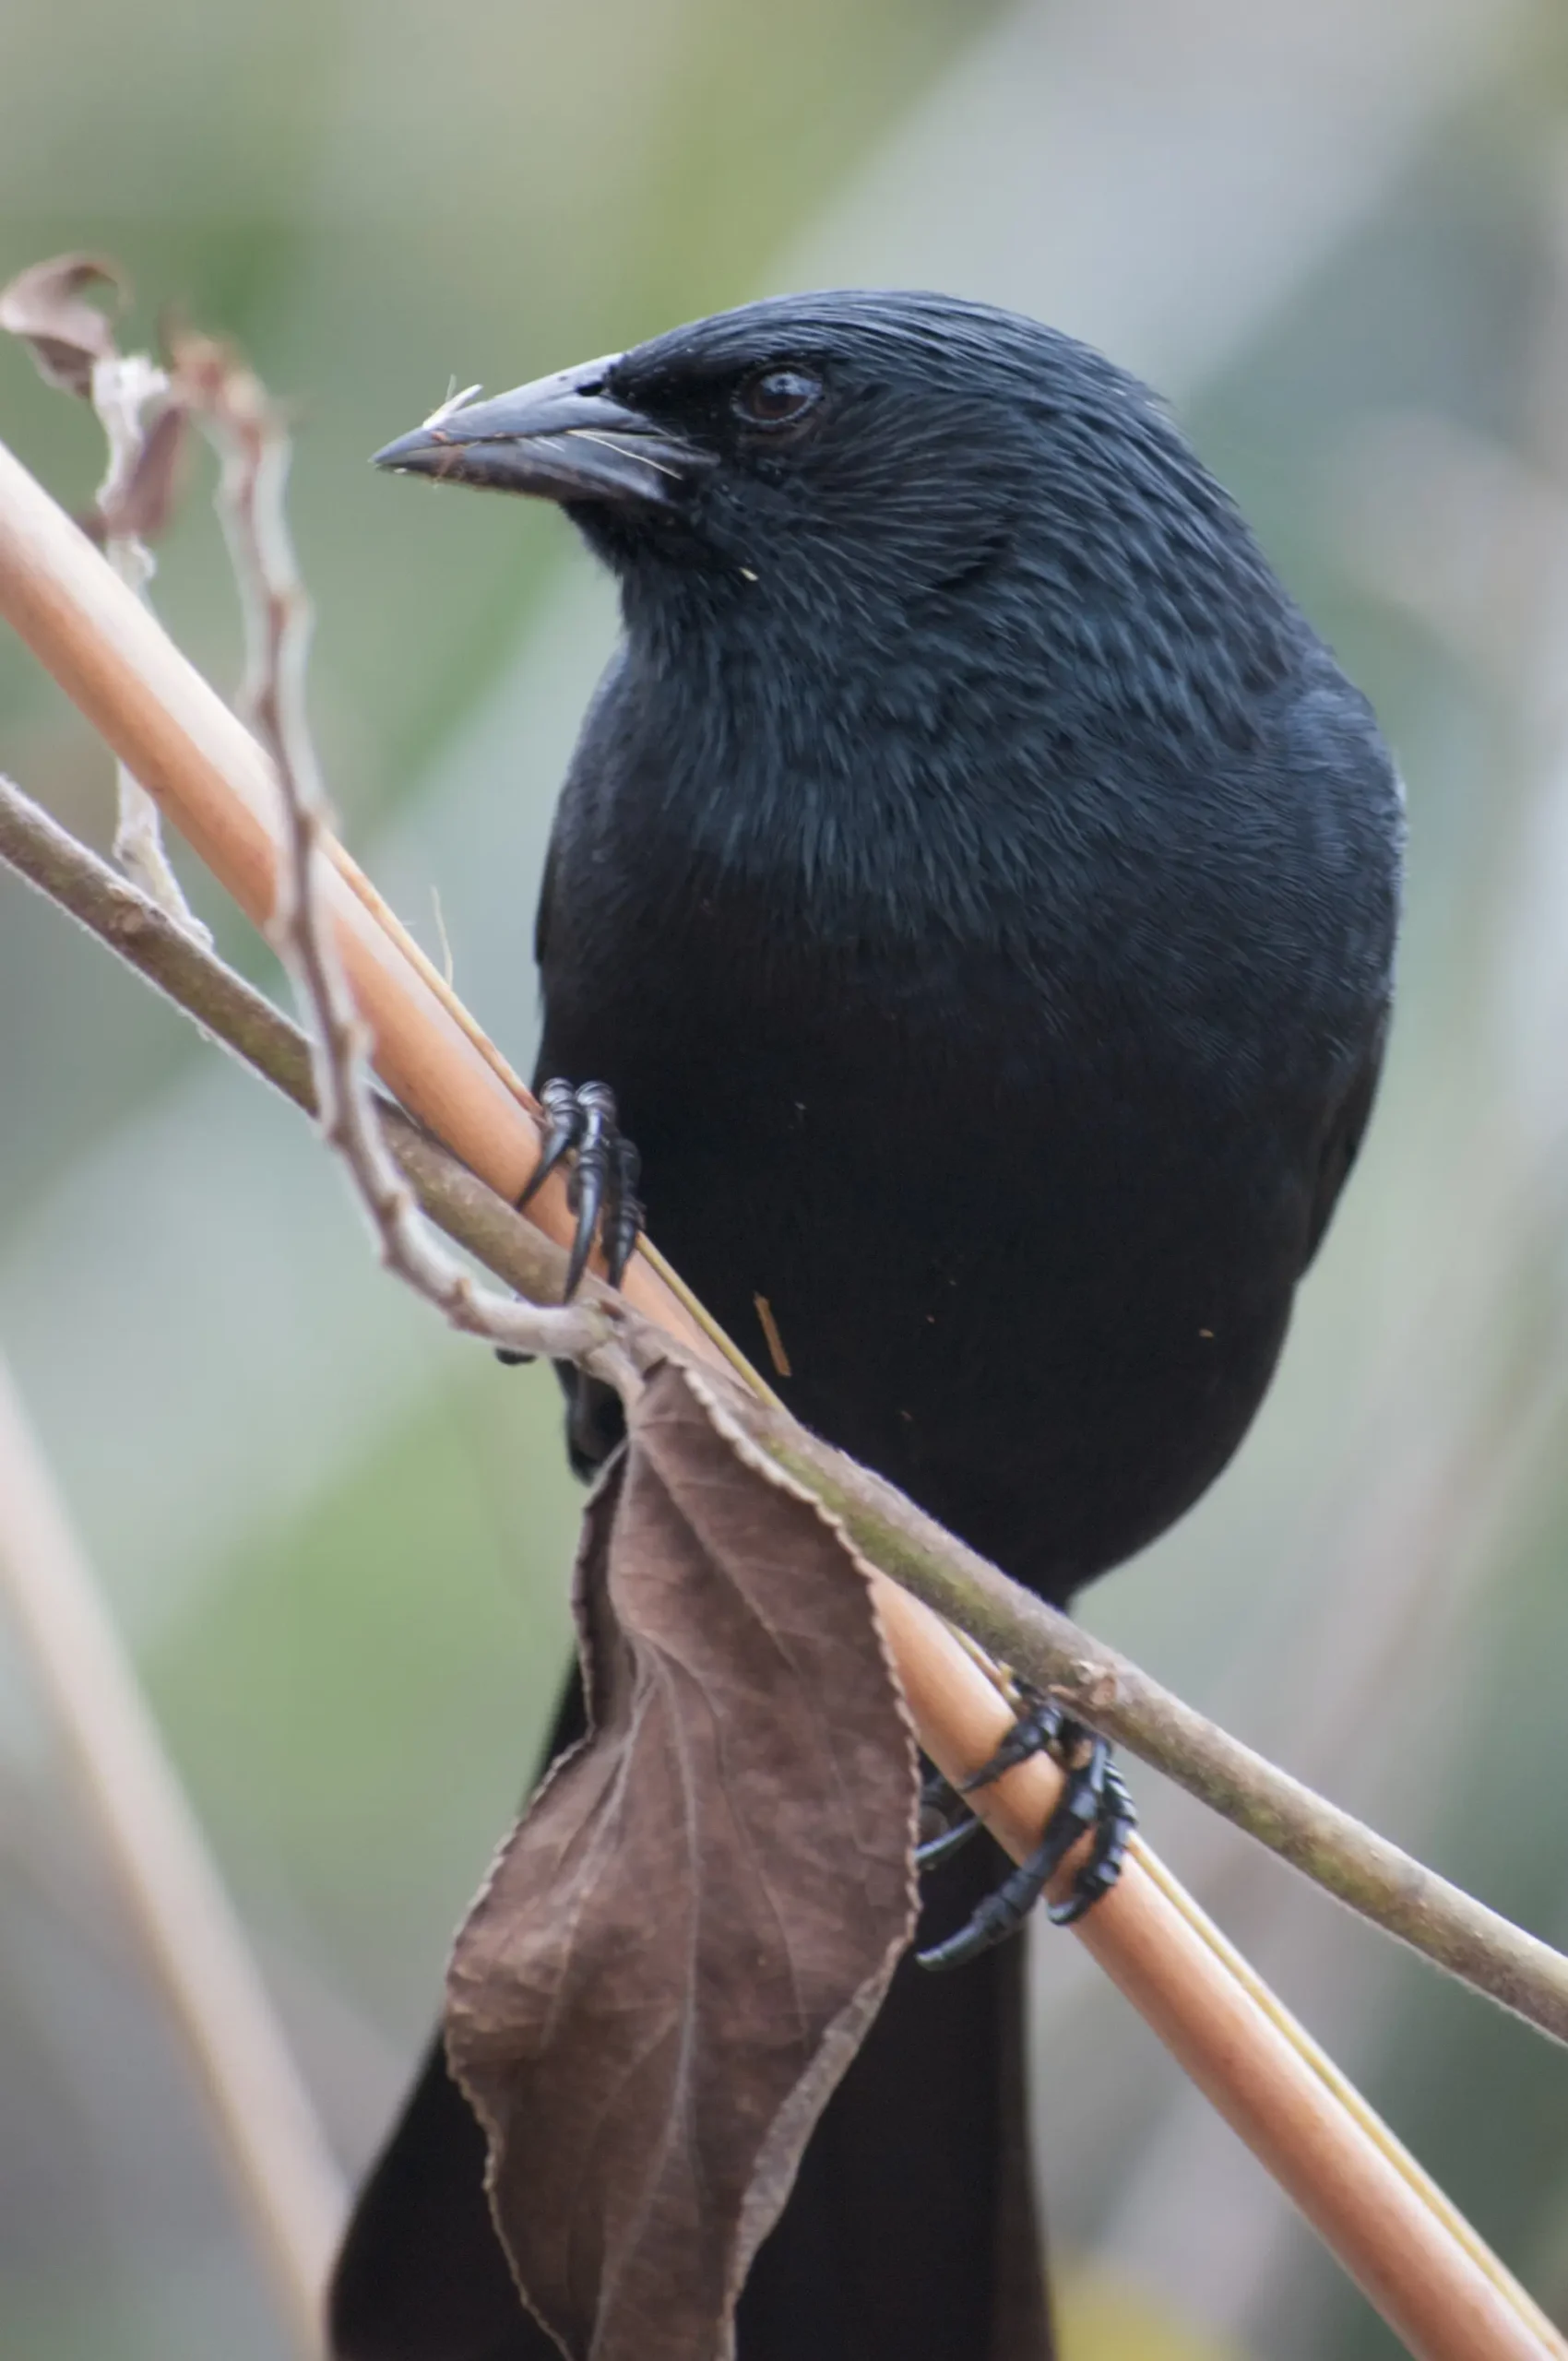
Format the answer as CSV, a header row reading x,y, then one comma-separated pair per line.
x,y
953,1822
559,1101
602,1189
585,1190
1094,1797
624,1211
1040,1728
1113,1831
952,1839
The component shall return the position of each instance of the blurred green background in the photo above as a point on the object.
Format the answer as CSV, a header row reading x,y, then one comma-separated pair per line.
x,y
338,1539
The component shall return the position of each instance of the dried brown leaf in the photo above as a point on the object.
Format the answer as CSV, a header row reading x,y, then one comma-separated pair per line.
x,y
683,1943
46,306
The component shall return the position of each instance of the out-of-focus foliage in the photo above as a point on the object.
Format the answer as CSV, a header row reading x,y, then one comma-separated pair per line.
x,y
340,1540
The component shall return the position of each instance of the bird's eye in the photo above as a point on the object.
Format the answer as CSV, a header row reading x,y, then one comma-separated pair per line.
x,y
778,396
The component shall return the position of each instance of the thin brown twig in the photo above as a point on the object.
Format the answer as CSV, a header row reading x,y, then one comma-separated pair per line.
x,y
248,433
1103,1688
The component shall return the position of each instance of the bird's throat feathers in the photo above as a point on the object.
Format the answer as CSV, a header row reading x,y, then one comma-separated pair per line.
x,y
890,769
860,798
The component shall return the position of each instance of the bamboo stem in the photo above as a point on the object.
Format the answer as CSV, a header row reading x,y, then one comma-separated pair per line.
x,y
1414,2256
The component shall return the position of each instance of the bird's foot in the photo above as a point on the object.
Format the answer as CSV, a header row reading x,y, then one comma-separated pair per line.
x,y
1093,1797
602,1188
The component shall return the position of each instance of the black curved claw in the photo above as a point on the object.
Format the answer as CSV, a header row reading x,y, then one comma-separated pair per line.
x,y
951,1823
623,1210
590,1171
1093,1797
1040,1728
559,1101
1113,1830
602,1189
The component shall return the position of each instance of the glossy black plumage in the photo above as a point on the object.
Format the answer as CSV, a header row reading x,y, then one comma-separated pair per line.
x,y
978,885
983,918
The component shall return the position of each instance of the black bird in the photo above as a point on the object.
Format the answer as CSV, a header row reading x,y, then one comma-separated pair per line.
x,y
976,884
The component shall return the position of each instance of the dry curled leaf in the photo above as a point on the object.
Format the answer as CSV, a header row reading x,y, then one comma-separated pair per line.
x,y
47,306
682,1944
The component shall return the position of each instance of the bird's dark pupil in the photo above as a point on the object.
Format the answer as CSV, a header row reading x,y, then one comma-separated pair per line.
x,y
777,396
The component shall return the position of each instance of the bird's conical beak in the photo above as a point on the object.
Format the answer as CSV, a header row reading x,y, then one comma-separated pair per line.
x,y
561,438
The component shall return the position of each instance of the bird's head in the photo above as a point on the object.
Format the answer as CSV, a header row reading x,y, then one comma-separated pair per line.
x,y
862,457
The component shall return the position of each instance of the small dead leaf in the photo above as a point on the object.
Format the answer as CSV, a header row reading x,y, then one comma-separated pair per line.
x,y
683,1943
46,306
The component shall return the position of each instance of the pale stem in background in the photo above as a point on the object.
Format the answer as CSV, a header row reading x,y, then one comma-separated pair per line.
x,y
193,1943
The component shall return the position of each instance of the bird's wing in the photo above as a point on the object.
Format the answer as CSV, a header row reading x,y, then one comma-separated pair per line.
x,y
546,898
1342,1139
